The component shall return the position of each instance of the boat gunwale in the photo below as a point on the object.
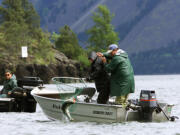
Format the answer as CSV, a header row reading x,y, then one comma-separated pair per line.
x,y
79,102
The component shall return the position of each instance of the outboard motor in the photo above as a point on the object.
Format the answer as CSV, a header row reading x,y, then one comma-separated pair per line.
x,y
148,104
24,101
30,81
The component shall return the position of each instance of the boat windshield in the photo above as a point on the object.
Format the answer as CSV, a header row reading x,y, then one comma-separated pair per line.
x,y
69,85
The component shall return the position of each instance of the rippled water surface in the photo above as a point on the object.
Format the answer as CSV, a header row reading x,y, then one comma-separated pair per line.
x,y
167,90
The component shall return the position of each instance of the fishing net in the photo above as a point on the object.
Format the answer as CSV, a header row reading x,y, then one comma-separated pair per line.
x,y
69,87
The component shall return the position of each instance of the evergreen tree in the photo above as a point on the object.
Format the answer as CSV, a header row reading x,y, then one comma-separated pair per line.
x,y
68,43
54,37
102,33
19,11
20,26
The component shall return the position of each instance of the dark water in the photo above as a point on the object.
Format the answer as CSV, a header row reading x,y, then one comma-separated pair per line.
x,y
167,89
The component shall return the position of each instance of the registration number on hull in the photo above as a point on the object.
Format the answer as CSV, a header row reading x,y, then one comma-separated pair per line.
x,y
102,112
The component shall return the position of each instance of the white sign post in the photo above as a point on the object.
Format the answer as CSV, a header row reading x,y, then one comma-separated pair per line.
x,y
24,51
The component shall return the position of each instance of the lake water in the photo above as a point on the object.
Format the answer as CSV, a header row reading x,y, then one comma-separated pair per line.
x,y
167,90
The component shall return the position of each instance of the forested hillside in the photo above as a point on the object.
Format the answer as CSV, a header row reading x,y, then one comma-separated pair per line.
x,y
165,60
20,26
142,25
148,30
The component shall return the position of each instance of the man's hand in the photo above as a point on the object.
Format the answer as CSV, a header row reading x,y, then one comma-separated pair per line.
x,y
103,59
9,93
99,54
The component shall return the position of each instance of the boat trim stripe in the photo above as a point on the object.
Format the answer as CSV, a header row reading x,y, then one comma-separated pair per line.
x,y
148,100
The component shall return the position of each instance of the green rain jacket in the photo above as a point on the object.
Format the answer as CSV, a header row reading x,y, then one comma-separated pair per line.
x,y
9,85
122,75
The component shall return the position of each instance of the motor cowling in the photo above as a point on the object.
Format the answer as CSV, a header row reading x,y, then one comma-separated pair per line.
x,y
148,104
30,81
148,99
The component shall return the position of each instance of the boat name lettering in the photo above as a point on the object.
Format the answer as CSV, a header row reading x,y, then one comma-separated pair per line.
x,y
102,112
56,106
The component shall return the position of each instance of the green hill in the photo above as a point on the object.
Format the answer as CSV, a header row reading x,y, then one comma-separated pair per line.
x,y
142,25
148,29
165,60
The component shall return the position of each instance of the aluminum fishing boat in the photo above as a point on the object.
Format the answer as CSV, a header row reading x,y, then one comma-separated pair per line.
x,y
73,99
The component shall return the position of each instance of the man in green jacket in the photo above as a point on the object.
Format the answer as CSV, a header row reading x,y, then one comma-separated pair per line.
x,y
9,84
122,75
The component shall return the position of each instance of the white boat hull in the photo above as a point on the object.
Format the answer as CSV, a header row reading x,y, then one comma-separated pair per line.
x,y
81,111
